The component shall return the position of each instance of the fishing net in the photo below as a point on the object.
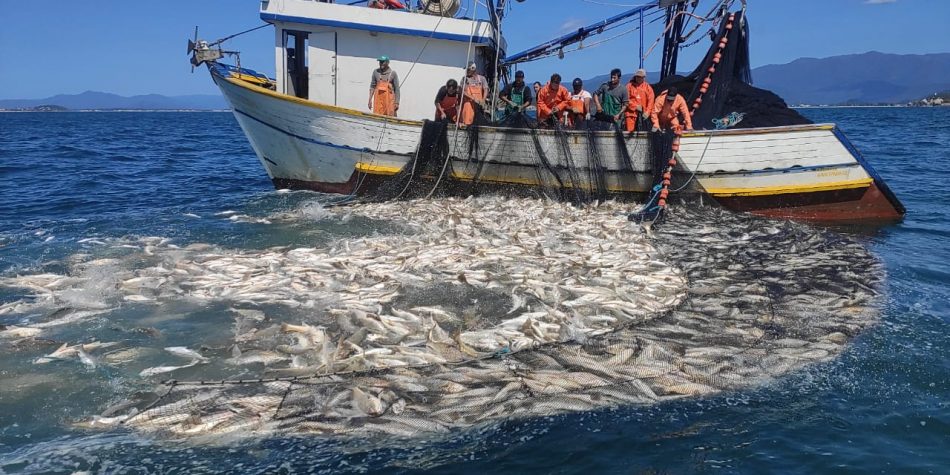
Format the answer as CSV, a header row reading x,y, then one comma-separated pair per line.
x,y
731,101
520,158
763,299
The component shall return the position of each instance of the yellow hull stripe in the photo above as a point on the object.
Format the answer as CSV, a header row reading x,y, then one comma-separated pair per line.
x,y
386,170
374,169
315,105
786,189
259,81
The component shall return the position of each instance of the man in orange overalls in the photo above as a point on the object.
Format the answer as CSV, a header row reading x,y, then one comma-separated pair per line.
x,y
670,106
384,90
640,105
580,105
474,92
553,99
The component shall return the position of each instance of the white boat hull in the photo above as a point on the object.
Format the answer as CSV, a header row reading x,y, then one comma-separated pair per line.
x,y
802,172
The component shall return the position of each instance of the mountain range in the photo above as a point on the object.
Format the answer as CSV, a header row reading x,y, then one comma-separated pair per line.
x,y
868,78
93,100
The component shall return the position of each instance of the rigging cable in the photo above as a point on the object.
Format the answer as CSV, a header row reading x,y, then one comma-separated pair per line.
x,y
458,115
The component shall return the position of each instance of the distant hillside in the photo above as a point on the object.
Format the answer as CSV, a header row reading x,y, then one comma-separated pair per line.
x,y
103,100
869,78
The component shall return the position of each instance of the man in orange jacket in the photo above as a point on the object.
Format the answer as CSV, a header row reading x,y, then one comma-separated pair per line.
x,y
640,106
553,99
670,106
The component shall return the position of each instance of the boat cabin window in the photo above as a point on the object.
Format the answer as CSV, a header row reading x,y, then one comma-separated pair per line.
x,y
295,48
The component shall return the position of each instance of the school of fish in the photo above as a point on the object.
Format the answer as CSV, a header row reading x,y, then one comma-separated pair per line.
x,y
466,310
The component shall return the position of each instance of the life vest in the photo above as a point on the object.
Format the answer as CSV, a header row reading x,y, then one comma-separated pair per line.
x,y
450,105
384,98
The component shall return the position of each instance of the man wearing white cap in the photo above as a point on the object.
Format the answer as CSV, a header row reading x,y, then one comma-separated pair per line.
x,y
641,101
474,92
384,89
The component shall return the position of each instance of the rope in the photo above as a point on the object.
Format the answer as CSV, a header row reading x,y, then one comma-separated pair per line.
x,y
667,174
695,168
226,38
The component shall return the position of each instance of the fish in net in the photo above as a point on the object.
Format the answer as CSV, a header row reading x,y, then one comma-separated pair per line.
x,y
763,299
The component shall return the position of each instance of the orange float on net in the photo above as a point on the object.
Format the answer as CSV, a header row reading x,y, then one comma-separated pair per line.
x,y
692,113
666,182
722,45
677,132
703,89
661,203
717,60
724,40
708,80
676,147
717,56
712,69
672,162
664,193
699,100
667,176
729,26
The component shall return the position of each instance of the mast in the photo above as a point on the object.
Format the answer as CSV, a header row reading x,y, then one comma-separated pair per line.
x,y
496,14
675,13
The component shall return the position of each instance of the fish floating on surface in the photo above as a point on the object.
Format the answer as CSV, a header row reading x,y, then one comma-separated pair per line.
x,y
545,308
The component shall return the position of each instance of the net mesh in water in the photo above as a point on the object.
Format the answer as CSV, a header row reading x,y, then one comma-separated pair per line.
x,y
761,302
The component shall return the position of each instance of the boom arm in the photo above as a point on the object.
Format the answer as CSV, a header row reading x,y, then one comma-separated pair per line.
x,y
577,36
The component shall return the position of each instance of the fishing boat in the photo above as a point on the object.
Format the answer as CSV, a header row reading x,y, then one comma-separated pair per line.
x,y
311,129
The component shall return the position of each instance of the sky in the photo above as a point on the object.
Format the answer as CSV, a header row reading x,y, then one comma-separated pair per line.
x,y
50,47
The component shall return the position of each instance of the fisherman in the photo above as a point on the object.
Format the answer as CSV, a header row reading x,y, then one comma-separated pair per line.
x,y
640,106
580,105
384,89
517,96
537,90
447,102
553,99
670,106
611,99
474,92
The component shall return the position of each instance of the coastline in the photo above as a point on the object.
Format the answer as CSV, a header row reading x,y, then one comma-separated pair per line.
x,y
111,110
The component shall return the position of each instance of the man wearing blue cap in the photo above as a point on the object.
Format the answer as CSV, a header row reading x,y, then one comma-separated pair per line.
x,y
384,89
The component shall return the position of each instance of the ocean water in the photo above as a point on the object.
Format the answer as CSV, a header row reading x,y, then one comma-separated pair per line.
x,y
70,180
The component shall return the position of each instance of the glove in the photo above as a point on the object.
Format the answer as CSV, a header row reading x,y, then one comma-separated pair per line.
x,y
640,109
655,129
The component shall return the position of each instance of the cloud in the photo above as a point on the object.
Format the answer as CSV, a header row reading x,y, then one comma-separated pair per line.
x,y
574,23
878,2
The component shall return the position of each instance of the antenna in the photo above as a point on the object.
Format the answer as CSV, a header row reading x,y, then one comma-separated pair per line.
x,y
191,47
